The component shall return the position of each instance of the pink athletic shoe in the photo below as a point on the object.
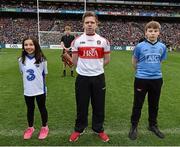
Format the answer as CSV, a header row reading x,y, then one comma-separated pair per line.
x,y
104,137
28,133
74,136
43,132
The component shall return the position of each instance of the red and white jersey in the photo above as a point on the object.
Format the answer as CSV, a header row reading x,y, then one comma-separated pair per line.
x,y
90,50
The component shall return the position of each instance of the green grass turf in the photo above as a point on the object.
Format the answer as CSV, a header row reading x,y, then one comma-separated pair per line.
x,y
61,104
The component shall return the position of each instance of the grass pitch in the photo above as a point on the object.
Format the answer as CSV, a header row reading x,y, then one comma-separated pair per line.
x,y
61,104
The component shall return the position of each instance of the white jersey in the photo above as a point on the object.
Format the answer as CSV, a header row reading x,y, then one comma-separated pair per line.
x,y
33,76
90,50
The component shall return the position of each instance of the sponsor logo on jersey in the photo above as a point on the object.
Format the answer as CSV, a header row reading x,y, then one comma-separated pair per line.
x,y
145,50
90,40
30,75
91,52
82,42
154,58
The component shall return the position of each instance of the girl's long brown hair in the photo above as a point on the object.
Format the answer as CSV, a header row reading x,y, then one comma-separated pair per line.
x,y
39,56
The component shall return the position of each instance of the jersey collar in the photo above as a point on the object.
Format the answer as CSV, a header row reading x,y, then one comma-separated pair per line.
x,y
151,42
30,56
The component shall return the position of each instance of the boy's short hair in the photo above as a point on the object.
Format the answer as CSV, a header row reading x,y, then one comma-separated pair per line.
x,y
90,14
67,28
153,24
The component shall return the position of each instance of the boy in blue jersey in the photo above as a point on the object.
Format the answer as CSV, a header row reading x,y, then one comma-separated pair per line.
x,y
146,60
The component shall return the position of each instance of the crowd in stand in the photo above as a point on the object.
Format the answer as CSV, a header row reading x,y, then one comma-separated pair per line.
x,y
124,9
14,30
119,31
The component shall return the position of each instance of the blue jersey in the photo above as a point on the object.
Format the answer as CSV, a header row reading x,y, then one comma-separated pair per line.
x,y
149,57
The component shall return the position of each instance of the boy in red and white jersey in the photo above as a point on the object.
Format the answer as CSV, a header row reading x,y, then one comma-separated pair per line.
x,y
91,50
91,53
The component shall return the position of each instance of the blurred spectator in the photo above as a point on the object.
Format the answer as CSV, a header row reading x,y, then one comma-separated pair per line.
x,y
119,31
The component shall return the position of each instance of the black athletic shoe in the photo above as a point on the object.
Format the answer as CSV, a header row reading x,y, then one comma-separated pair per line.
x,y
156,131
64,73
133,133
72,74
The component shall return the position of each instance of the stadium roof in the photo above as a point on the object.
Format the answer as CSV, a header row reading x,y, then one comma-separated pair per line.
x,y
129,2
116,1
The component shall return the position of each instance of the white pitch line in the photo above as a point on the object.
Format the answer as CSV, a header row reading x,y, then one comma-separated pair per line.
x,y
4,132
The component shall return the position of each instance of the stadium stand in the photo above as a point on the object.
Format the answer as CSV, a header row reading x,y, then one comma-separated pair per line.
x,y
122,24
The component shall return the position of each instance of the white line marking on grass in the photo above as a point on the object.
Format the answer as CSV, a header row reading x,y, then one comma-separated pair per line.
x,y
88,131
2,52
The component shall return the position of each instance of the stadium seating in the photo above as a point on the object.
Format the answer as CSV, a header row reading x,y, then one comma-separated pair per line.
x,y
121,31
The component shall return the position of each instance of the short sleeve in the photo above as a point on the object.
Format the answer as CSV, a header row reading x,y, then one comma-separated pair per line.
x,y
20,64
45,67
74,46
164,53
106,46
136,52
62,39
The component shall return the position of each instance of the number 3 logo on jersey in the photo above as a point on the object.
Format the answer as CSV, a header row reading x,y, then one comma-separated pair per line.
x,y
30,76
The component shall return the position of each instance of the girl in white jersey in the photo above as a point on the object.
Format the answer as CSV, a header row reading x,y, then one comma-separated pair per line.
x,y
33,66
